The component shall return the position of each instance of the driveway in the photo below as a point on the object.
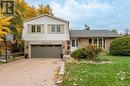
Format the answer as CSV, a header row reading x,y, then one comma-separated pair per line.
x,y
29,72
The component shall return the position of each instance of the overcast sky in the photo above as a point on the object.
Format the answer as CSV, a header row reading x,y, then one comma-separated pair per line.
x,y
99,14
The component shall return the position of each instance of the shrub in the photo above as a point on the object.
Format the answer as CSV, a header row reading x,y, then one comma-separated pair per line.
x,y
120,46
1,51
18,54
89,52
79,53
92,51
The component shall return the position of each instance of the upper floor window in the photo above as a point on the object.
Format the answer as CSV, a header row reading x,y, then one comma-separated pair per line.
x,y
38,28
35,28
55,28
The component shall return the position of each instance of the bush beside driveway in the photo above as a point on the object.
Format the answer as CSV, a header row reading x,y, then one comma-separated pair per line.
x,y
10,59
1,62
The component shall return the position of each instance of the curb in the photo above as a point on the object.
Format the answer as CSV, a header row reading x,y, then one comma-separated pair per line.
x,y
60,74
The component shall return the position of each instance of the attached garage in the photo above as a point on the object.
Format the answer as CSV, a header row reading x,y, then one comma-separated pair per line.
x,y
46,51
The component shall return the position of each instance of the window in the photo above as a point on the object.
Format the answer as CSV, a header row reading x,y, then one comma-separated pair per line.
x,y
55,28
33,28
74,43
100,42
104,43
95,41
90,41
38,28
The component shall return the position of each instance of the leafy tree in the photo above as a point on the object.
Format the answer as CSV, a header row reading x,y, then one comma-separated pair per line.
x,y
4,23
120,46
29,11
127,32
22,12
44,10
17,21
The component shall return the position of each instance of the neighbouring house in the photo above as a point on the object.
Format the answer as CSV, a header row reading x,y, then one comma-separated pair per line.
x,y
49,36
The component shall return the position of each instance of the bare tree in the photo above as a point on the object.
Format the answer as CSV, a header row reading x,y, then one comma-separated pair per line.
x,y
127,32
114,30
87,27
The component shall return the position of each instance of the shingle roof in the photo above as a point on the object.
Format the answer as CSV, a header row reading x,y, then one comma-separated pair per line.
x,y
93,33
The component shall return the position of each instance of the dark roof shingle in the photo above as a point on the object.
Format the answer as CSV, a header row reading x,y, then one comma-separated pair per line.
x,y
93,33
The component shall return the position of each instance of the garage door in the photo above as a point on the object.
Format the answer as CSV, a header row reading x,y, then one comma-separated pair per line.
x,y
46,51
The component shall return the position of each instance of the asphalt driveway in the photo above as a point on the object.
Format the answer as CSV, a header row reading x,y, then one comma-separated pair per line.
x,y
29,72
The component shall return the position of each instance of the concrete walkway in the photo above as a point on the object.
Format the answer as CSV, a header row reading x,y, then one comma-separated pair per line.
x,y
29,72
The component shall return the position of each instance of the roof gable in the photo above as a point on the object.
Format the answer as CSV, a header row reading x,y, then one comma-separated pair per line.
x,y
46,16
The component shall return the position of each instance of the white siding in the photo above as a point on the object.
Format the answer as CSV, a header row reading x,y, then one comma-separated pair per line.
x,y
45,20
73,48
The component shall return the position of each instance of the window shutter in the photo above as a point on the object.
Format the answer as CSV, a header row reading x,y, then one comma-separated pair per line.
x,y
42,28
62,29
29,28
49,29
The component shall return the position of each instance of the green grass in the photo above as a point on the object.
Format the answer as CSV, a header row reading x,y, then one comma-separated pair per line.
x,y
1,62
97,74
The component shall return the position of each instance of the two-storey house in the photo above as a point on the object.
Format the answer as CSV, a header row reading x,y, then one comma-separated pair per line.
x,y
46,36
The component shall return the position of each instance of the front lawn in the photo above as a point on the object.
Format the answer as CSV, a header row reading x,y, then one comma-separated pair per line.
x,y
115,74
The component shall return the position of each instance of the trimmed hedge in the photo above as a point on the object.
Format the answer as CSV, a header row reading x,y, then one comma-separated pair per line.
x,y
120,46
89,52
